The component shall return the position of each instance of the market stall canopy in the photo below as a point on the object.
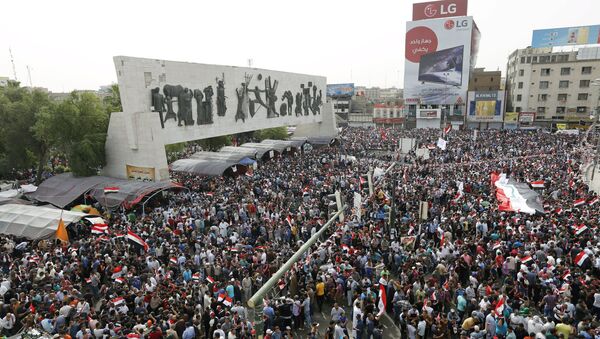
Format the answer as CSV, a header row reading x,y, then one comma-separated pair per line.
x,y
34,222
206,167
63,189
249,152
281,145
322,140
239,158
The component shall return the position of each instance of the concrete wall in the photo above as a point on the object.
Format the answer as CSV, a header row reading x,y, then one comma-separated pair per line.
x,y
136,136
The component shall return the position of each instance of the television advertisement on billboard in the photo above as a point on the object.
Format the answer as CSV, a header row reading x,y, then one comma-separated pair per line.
x,y
340,90
485,106
438,60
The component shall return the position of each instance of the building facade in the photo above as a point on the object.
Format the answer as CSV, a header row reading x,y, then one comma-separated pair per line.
x,y
388,115
555,86
482,80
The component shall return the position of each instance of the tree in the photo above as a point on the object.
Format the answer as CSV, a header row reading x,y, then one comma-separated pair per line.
x,y
277,133
77,126
215,144
112,102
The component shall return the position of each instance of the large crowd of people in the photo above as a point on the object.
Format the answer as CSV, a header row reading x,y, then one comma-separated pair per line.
x,y
462,269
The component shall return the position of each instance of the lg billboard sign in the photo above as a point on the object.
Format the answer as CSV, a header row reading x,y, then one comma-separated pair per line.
x,y
439,9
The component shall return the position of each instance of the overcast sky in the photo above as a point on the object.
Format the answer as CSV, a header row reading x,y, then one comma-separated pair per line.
x,y
69,44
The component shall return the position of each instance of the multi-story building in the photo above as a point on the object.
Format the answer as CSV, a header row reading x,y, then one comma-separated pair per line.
x,y
482,80
388,115
553,85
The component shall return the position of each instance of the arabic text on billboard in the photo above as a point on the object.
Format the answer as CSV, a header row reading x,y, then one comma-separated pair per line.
x,y
429,113
511,117
527,117
564,36
439,9
437,60
338,90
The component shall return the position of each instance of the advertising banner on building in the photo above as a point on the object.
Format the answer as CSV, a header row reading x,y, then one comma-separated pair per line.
x,y
429,113
526,117
565,36
438,59
485,106
439,9
511,117
140,173
340,90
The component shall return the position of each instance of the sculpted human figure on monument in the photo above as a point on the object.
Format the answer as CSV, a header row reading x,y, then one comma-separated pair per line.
x,y
221,105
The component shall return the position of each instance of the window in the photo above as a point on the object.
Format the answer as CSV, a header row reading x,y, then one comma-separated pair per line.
x,y
522,60
560,110
518,109
562,58
545,72
521,72
563,84
542,97
581,109
562,97
545,58
528,59
553,58
582,96
584,83
519,97
543,84
534,59
541,110
475,80
520,85
492,79
565,71
586,70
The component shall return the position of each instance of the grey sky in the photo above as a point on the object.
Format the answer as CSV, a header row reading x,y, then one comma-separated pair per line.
x,y
69,44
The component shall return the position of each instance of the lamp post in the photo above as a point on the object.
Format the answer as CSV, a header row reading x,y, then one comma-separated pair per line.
x,y
596,82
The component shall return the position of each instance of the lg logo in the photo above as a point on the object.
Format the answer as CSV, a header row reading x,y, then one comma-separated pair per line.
x,y
450,24
430,11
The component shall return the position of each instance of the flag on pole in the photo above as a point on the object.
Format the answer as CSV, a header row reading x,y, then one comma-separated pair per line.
x,y
120,280
447,129
538,184
579,202
196,276
580,258
118,301
558,210
593,201
580,229
136,239
382,299
210,279
499,308
111,189
289,220
173,261
221,297
227,301
61,232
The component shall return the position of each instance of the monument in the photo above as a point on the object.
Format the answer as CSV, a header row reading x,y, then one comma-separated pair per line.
x,y
167,102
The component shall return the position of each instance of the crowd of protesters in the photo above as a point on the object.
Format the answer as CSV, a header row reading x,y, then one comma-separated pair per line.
x,y
465,269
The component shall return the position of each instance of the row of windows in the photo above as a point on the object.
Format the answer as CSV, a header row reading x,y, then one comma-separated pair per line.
x,y
561,97
561,84
545,58
559,109
563,71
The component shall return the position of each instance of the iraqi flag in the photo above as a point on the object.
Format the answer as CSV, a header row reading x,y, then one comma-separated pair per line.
x,y
196,276
578,202
580,229
117,272
580,258
111,189
526,259
497,245
538,184
382,299
173,261
447,129
558,210
593,201
221,297
118,301
99,229
120,280
227,301
499,308
515,196
136,239
210,279
289,220
566,275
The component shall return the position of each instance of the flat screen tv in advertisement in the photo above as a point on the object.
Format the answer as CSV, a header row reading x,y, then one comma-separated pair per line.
x,y
438,60
566,36
442,67
439,9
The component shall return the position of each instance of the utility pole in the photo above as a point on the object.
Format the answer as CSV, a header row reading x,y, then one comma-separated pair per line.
x,y
12,61
29,75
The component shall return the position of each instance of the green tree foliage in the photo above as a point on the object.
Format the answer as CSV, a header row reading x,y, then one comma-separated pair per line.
x,y
277,133
174,150
214,144
112,102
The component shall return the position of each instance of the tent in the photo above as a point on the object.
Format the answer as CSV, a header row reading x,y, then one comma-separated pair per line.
x,y
207,167
34,222
63,189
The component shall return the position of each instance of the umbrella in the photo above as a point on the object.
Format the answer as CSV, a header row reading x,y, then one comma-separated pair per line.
x,y
85,209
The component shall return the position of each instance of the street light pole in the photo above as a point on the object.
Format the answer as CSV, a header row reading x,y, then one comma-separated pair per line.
x,y
596,82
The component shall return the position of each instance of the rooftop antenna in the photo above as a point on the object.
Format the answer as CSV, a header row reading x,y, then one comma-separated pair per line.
x,y
29,75
12,61
250,62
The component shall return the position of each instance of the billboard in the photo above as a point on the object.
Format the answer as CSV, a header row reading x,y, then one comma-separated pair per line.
x,y
340,90
439,9
429,113
439,54
511,117
565,36
485,106
526,117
